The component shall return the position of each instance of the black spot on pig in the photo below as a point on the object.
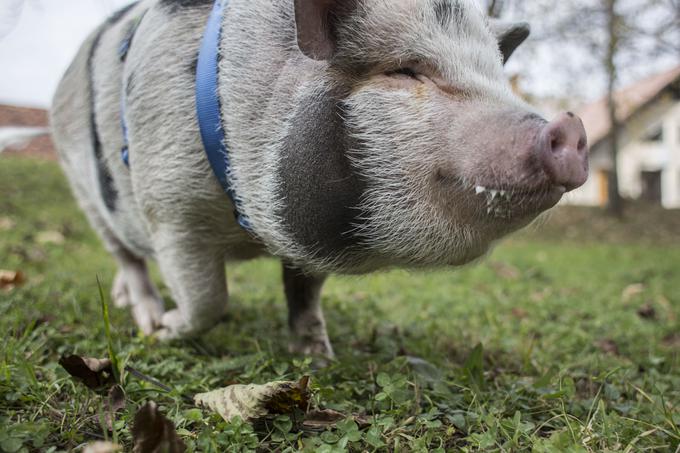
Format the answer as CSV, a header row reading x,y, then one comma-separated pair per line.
x,y
130,84
319,187
193,66
533,117
172,6
126,44
107,187
448,11
118,15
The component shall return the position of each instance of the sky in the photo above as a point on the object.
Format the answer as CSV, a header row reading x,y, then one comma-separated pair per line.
x,y
38,39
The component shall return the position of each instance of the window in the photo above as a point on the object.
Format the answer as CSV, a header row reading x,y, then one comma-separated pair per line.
x,y
655,135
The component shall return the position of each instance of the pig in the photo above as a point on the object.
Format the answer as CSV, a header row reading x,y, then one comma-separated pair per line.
x,y
362,135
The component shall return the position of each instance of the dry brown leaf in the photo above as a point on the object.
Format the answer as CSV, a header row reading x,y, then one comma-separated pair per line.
x,y
253,402
11,279
115,402
152,432
540,296
505,270
631,291
50,237
519,313
96,374
608,346
672,340
320,420
102,447
647,311
6,224
665,304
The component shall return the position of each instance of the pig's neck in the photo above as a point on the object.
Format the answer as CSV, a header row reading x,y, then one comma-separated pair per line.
x,y
286,139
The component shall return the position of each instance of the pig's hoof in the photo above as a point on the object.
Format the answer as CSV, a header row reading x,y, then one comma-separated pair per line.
x,y
173,326
319,348
148,314
119,293
165,334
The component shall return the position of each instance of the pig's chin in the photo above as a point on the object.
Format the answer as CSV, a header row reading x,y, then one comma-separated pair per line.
x,y
512,207
507,208
496,212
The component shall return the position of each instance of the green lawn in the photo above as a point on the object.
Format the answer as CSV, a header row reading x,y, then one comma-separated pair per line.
x,y
562,340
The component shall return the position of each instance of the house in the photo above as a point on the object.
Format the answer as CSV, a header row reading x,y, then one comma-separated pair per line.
x,y
649,144
24,130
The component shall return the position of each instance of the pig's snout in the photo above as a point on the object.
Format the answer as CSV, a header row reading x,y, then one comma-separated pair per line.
x,y
563,150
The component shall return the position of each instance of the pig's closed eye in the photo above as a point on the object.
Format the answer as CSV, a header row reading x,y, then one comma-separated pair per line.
x,y
404,72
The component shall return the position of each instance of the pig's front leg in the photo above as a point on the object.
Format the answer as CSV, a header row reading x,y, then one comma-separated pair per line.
x,y
305,317
196,277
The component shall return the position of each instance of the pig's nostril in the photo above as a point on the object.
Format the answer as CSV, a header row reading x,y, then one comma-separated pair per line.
x,y
556,142
582,144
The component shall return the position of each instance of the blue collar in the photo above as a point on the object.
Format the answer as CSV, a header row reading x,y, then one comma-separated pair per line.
x,y
208,107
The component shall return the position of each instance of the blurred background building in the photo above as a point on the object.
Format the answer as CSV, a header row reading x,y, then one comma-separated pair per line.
x,y
25,130
649,155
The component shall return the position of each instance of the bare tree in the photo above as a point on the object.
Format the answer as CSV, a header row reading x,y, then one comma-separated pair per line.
x,y
495,7
611,35
615,202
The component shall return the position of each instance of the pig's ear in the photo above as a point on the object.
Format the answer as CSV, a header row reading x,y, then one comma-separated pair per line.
x,y
509,35
314,21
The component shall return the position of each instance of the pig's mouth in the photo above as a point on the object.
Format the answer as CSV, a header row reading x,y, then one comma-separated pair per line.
x,y
512,203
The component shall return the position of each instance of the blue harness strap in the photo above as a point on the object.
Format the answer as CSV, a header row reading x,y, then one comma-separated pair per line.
x,y
208,107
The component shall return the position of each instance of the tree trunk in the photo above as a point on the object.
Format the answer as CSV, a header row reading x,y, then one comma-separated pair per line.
x,y
495,8
615,202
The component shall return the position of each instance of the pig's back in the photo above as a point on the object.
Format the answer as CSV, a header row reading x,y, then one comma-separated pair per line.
x,y
86,127
169,183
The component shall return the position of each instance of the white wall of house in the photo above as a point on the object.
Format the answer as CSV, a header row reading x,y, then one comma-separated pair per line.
x,y
661,155
639,154
671,174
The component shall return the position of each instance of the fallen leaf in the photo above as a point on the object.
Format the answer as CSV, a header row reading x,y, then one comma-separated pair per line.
x,y
96,374
540,296
505,270
11,279
519,313
6,224
50,237
152,432
320,420
253,402
665,304
631,291
647,311
608,346
115,403
672,340
102,447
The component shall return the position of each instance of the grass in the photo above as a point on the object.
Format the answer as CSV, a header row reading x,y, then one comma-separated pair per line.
x,y
559,342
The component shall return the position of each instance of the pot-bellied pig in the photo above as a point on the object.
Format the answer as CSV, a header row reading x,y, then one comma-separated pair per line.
x,y
352,136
